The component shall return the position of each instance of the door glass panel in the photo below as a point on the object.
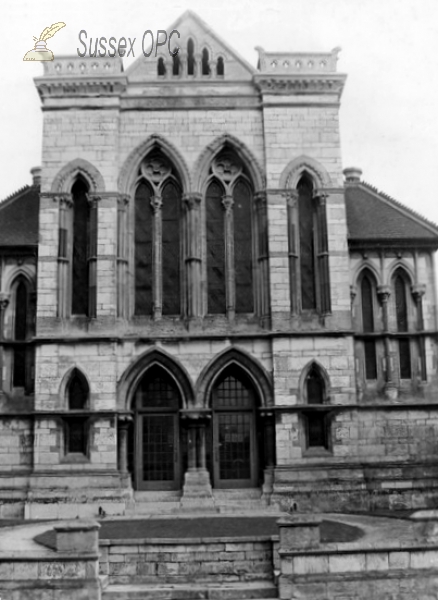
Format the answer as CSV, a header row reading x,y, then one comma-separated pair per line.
x,y
235,446
158,448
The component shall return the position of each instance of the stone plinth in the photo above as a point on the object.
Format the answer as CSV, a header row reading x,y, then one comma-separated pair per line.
x,y
299,532
77,536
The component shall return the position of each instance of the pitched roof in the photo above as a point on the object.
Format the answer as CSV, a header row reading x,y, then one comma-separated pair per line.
x,y
374,216
19,217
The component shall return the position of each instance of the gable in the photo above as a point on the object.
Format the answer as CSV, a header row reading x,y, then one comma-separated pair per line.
x,y
373,216
190,26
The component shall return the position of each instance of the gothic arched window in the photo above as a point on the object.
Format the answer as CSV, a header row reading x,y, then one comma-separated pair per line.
x,y
23,326
161,67
229,237
401,310
367,299
157,255
308,249
84,251
76,425
205,62
190,57
316,421
220,68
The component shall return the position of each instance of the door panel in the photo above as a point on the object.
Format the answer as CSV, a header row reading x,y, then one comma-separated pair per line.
x,y
158,464
235,462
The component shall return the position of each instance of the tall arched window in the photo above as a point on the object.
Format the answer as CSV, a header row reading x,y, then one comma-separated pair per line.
x,y
230,220
157,238
205,62
76,425
84,251
401,310
143,249
215,249
367,299
23,354
220,68
308,249
190,57
316,421
161,67
175,64
307,244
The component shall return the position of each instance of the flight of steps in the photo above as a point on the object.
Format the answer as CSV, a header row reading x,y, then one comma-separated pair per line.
x,y
192,591
169,502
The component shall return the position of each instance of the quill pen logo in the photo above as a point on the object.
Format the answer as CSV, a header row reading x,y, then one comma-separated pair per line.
x,y
41,52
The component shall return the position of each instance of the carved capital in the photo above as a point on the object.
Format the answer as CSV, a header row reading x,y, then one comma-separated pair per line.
x,y
64,200
192,200
4,301
156,203
353,293
384,292
93,199
418,291
260,199
123,201
291,197
321,196
228,203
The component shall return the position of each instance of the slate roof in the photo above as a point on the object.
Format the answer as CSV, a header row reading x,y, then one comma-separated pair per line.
x,y
374,216
19,217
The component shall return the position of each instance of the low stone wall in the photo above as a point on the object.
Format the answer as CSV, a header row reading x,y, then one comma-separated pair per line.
x,y
311,570
180,561
69,572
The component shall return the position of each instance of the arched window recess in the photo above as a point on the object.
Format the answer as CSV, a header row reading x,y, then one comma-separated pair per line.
x,y
157,224
401,286
76,425
230,233
308,248
316,418
23,327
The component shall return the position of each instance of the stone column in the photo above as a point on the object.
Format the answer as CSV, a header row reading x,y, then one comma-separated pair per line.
x,y
197,492
193,253
269,452
293,251
4,302
122,261
65,247
418,292
384,292
124,424
228,203
156,203
322,253
262,250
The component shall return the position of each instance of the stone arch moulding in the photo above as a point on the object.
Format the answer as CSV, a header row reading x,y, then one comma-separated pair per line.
x,y
130,166
135,371
255,371
304,164
304,373
202,165
25,271
66,378
65,178
362,268
407,271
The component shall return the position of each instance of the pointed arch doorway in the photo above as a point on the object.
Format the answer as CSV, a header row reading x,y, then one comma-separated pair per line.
x,y
234,440
157,437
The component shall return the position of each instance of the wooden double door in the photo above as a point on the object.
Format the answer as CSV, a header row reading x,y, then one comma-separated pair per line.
x,y
160,448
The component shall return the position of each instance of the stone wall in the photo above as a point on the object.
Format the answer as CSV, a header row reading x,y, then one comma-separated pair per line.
x,y
187,560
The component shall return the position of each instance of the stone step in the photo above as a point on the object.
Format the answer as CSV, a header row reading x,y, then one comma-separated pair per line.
x,y
255,590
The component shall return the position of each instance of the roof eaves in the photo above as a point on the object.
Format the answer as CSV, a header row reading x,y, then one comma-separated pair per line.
x,y
408,212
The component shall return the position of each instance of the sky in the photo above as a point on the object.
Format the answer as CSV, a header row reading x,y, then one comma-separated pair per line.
x,y
388,115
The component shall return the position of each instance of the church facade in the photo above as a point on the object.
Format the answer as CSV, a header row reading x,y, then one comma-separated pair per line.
x,y
199,304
